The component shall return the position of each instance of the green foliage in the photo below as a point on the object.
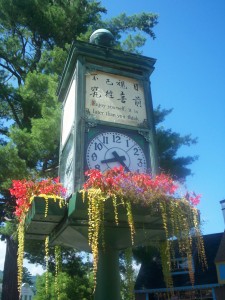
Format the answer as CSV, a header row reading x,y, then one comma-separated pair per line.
x,y
169,143
71,287
37,94
27,277
53,61
123,25
40,117
8,229
12,166
73,263
31,144
138,22
128,275
54,22
133,42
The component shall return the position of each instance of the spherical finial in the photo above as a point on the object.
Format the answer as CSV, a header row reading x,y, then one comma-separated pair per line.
x,y
102,37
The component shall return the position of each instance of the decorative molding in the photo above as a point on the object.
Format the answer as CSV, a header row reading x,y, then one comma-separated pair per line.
x,y
144,124
145,134
90,120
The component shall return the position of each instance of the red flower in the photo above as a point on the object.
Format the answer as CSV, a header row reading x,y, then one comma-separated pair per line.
x,y
135,185
23,190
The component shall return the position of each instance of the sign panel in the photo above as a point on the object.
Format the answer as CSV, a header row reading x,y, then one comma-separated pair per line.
x,y
115,98
68,113
66,171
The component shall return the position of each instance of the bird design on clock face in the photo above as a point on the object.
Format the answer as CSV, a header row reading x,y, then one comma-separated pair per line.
x,y
113,149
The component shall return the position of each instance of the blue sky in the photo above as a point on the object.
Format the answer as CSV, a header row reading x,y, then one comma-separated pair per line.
x,y
189,77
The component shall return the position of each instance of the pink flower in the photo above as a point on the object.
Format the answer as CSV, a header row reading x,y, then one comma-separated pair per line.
x,y
193,198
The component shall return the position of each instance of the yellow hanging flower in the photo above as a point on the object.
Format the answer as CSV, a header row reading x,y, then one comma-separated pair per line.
x,y
158,194
24,192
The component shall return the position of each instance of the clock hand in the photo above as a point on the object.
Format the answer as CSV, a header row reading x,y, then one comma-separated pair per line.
x,y
120,160
112,159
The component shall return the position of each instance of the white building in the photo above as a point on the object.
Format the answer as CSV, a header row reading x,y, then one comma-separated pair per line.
x,y
26,292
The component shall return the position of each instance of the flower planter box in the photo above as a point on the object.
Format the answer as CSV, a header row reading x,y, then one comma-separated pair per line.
x,y
74,231
37,226
78,209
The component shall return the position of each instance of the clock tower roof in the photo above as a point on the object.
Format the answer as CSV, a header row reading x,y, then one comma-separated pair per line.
x,y
107,57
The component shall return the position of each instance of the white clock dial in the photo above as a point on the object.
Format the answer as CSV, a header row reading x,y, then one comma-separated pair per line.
x,y
113,149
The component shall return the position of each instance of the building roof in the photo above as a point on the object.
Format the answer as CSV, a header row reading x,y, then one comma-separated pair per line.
x,y
220,256
150,275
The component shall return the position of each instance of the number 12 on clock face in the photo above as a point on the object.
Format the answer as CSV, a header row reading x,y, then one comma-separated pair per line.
x,y
113,149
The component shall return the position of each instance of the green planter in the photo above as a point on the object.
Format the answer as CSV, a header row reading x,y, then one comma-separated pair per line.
x,y
73,231
37,226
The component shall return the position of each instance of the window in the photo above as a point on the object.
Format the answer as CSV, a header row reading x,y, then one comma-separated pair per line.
x,y
180,266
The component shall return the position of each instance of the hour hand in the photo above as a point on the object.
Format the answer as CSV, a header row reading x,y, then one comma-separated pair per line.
x,y
120,160
114,159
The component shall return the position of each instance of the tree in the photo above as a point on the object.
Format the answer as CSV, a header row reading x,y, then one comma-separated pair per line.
x,y
35,38
128,275
169,142
71,287
73,263
10,286
27,277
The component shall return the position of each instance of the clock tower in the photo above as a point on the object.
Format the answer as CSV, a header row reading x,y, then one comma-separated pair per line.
x,y
107,114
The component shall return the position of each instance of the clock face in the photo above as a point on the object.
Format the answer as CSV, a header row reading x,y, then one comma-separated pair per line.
x,y
113,149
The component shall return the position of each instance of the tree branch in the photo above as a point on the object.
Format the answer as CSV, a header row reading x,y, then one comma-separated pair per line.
x,y
11,70
16,118
4,131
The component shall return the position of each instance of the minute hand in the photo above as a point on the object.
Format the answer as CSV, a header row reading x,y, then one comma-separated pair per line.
x,y
120,160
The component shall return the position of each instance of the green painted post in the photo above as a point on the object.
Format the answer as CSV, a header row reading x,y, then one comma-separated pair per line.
x,y
108,276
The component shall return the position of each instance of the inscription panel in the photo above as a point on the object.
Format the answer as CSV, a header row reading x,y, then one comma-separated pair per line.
x,y
115,98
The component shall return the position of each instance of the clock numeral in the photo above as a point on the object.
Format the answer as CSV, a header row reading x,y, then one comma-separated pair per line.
x,y
140,162
94,156
116,139
105,139
98,146
109,149
136,151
